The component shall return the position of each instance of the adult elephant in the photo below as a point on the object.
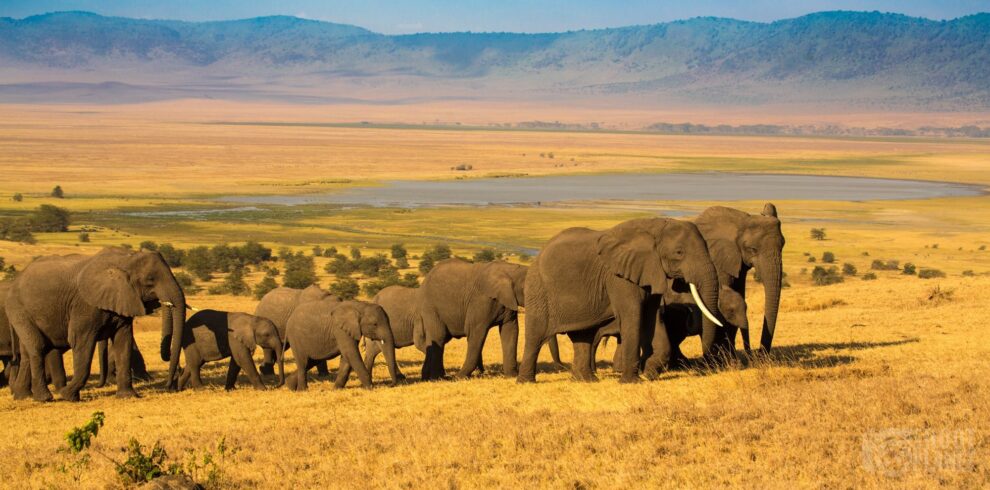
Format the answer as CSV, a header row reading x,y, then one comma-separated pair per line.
x,y
322,330
465,299
108,363
584,279
401,305
74,301
737,242
277,305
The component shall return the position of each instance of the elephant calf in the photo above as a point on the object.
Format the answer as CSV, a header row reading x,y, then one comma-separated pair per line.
x,y
322,330
212,335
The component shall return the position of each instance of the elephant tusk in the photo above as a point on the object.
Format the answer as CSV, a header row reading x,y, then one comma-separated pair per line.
x,y
168,304
701,304
193,308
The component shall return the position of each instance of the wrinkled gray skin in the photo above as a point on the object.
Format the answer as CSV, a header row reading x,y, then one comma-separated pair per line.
x,y
463,299
213,335
108,364
278,306
54,369
585,279
681,321
74,301
322,330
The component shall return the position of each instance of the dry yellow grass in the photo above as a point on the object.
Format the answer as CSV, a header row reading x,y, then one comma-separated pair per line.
x,y
853,363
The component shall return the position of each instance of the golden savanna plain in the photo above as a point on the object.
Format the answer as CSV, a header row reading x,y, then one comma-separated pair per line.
x,y
871,383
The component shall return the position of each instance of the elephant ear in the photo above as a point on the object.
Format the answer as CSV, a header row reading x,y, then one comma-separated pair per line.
x,y
633,256
109,288
501,289
769,210
726,257
347,320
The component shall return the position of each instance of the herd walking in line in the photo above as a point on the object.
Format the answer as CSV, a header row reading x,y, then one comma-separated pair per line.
x,y
651,283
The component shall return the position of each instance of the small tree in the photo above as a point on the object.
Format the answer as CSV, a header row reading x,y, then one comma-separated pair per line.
x,y
18,197
340,266
57,192
355,253
828,257
330,251
848,269
909,269
234,282
487,255
345,288
48,218
426,264
263,287
197,261
16,230
173,256
149,245
399,251
818,234
824,277
300,272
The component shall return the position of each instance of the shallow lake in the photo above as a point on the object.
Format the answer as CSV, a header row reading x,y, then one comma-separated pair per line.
x,y
710,186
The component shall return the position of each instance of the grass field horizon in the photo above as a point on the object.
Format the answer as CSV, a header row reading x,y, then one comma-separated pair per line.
x,y
860,370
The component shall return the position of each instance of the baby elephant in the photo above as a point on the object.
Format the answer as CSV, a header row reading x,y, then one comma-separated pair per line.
x,y
212,335
322,330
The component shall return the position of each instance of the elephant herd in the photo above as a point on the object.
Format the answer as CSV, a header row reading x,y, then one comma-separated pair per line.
x,y
649,282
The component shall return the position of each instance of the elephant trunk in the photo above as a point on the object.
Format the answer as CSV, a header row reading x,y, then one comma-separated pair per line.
x,y
771,273
173,321
388,348
706,289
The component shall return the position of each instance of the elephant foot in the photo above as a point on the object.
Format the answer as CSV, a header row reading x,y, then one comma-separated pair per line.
x,y
43,397
630,379
586,378
521,379
512,373
260,387
127,394
559,366
69,394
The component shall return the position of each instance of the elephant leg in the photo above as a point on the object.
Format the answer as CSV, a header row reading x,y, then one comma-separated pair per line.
x,y
82,358
34,372
233,369
268,364
302,364
617,363
242,355
581,367
139,369
659,359
509,334
476,342
55,367
536,325
184,375
627,303
194,362
433,367
343,373
555,353
350,353
123,342
101,351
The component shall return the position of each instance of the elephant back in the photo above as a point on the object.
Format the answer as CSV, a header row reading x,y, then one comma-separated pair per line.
x,y
278,306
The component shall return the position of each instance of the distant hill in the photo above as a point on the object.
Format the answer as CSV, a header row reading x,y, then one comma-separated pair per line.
x,y
850,58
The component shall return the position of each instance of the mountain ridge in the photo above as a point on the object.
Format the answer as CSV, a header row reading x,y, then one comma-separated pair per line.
x,y
832,57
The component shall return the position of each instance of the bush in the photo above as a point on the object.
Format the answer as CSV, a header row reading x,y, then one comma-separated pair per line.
x,y
487,255
399,251
234,282
812,259
57,192
300,271
263,287
869,276
824,277
890,265
818,234
149,246
402,263
187,283
440,251
848,269
909,269
199,263
18,197
930,273
524,257
84,237
968,273
16,230
409,280
373,266
253,253
355,253
224,258
173,256
330,252
340,266
317,251
982,248
828,258
345,288
48,218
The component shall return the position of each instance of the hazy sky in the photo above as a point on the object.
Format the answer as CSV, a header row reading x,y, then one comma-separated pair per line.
x,y
404,16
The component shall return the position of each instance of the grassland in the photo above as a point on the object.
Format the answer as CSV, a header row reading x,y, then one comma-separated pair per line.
x,y
852,361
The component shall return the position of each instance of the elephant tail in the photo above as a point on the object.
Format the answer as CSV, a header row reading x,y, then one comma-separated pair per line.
x,y
15,347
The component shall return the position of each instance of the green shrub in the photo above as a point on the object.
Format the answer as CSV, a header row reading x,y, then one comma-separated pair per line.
x,y
330,252
848,269
812,259
199,262
399,251
824,277
402,263
968,273
930,273
18,197
818,234
187,283
487,255
374,265
263,287
253,253
58,193
828,257
149,246
890,265
340,266
426,264
173,256
345,288
234,282
300,271
48,218
869,276
355,253
909,269
84,237
317,251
